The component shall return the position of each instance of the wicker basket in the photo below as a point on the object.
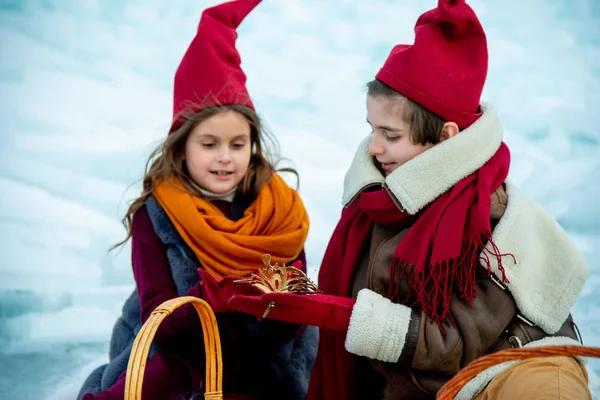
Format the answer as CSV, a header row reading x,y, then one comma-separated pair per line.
x,y
212,343
214,362
453,386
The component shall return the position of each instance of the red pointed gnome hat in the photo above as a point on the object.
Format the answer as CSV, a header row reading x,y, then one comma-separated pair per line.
x,y
445,69
210,72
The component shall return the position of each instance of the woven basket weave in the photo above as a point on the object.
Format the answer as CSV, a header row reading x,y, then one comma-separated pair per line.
x,y
453,386
143,340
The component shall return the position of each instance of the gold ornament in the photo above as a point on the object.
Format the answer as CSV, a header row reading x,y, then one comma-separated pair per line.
x,y
281,279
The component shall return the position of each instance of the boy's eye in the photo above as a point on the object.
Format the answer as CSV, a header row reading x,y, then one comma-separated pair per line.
x,y
392,138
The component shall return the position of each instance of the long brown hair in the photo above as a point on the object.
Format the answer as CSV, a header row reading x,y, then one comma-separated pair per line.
x,y
167,160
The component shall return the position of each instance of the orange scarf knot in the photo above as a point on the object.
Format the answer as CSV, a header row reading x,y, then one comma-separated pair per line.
x,y
275,223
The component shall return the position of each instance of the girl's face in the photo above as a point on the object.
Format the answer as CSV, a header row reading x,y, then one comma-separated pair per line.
x,y
218,150
390,143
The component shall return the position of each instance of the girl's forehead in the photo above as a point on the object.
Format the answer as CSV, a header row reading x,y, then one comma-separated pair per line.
x,y
222,125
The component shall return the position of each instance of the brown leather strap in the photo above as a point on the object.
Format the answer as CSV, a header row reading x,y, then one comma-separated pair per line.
x,y
412,336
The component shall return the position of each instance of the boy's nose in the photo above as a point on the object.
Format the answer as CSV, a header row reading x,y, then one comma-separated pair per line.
x,y
376,148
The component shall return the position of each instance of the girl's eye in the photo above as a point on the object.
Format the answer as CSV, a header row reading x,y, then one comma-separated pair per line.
x,y
208,145
238,145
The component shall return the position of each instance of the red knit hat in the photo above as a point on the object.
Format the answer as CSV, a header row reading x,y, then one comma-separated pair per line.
x,y
445,69
210,72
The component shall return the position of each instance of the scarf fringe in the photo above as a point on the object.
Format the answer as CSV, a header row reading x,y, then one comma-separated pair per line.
x,y
432,288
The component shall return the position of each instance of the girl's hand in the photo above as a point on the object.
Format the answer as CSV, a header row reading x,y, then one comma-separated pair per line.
x,y
217,293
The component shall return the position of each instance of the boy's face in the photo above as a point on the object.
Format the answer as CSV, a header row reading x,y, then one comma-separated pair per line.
x,y
390,142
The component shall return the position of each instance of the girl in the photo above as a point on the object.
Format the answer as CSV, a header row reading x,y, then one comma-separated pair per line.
x,y
434,288
212,201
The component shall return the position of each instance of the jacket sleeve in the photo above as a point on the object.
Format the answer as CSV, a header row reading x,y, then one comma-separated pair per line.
x,y
154,283
382,330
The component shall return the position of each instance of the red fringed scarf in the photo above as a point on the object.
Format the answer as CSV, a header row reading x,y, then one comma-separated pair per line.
x,y
443,245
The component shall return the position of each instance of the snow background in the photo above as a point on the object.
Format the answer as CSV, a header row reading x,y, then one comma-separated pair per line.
x,y
86,95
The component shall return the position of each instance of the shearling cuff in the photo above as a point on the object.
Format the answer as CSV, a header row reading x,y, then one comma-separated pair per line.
x,y
377,327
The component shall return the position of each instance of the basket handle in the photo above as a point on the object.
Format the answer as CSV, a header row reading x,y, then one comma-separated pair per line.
x,y
454,385
143,340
